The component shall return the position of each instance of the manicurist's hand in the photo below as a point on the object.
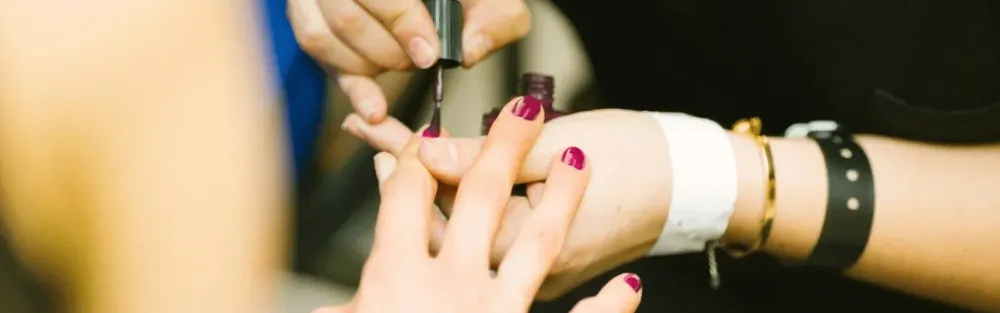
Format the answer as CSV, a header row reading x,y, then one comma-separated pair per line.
x,y
401,275
622,212
362,38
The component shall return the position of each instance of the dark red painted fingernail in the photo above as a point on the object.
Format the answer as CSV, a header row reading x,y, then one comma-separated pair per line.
x,y
430,132
528,108
574,157
633,281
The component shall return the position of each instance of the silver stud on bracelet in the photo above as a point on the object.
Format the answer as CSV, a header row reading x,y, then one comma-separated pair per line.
x,y
852,175
846,153
853,204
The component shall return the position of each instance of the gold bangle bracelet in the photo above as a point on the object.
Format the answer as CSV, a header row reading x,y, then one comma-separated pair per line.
x,y
752,127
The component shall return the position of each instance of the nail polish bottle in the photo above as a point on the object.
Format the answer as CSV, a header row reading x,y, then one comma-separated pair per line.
x,y
539,86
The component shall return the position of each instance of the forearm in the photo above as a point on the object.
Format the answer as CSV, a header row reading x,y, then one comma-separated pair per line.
x,y
935,206
141,153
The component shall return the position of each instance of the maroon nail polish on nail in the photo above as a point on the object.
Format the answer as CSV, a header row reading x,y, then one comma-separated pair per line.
x,y
430,133
537,85
528,108
573,156
633,281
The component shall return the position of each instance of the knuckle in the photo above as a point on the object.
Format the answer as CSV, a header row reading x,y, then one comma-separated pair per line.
x,y
314,42
347,22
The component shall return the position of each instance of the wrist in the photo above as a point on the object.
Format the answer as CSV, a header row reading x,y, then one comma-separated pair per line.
x,y
800,184
745,222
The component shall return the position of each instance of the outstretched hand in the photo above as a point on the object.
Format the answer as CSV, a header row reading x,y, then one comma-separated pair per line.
x,y
622,212
401,275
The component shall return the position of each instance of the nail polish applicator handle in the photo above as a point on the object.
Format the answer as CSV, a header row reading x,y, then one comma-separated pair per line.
x,y
447,16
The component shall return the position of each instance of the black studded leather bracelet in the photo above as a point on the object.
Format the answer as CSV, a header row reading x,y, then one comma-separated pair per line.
x,y
850,208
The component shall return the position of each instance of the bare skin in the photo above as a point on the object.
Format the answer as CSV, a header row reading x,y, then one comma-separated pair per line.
x,y
141,156
935,204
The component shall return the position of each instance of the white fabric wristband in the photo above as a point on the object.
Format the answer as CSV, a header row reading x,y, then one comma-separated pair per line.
x,y
704,183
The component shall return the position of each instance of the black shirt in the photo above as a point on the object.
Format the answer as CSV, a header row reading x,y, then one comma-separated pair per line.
x,y
917,69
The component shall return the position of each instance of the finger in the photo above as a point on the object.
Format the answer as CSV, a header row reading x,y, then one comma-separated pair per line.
x,y
385,164
345,308
535,250
366,97
406,206
410,23
390,135
365,34
315,37
484,191
490,25
449,159
438,227
620,295
534,193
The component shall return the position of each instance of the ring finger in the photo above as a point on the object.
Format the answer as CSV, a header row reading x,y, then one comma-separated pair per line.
x,y
365,34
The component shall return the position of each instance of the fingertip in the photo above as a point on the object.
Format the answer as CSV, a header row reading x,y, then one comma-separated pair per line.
x,y
439,156
385,163
355,125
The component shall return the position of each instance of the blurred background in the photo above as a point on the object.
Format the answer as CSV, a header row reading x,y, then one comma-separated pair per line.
x,y
338,198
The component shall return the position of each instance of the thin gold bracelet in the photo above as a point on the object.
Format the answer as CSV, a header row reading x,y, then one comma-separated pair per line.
x,y
752,126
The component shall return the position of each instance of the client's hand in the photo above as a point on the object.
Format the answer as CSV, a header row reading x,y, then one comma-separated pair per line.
x,y
401,275
623,210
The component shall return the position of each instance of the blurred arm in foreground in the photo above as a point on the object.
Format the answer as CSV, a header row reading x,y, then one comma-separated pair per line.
x,y
141,153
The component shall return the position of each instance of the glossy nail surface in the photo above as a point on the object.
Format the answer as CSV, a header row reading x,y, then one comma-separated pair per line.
x,y
574,157
633,281
430,133
528,108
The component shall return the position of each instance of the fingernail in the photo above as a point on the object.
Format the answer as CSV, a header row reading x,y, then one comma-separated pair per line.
x,y
430,132
633,281
366,109
528,108
573,156
421,52
381,170
478,46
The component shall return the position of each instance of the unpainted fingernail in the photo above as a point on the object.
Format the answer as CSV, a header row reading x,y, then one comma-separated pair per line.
x,y
527,108
366,108
421,52
574,157
633,281
381,167
478,46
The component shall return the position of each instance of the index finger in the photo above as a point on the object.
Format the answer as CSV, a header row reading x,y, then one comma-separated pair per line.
x,y
407,205
411,24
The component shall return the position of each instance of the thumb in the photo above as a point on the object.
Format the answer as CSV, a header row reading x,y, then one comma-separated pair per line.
x,y
491,25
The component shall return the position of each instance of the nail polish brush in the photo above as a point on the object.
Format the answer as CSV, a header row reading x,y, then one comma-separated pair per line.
x,y
447,16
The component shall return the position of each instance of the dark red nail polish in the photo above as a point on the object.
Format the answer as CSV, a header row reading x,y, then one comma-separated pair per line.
x,y
633,281
539,86
528,108
433,129
573,156
430,133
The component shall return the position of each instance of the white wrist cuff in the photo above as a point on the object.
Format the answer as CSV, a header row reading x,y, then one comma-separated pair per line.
x,y
704,183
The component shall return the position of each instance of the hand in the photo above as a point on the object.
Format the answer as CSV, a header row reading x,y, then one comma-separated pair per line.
x,y
401,275
362,38
623,210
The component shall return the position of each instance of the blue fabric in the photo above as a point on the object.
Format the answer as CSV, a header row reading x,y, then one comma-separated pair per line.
x,y
302,83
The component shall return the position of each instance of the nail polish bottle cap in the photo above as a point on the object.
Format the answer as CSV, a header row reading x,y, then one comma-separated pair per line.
x,y
447,16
